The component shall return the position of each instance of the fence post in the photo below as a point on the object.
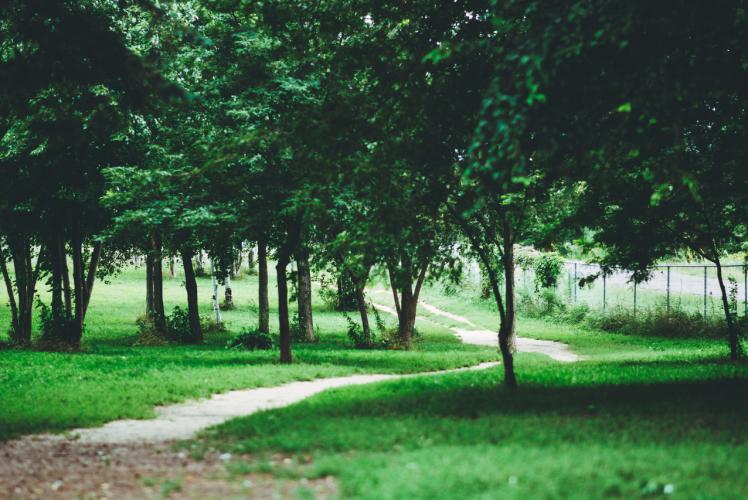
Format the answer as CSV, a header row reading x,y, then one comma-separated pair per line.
x,y
668,290
705,268
574,283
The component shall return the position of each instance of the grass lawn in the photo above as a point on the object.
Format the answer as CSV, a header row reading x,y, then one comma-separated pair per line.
x,y
638,417
111,379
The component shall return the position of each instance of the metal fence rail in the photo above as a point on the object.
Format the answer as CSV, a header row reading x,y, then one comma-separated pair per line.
x,y
692,288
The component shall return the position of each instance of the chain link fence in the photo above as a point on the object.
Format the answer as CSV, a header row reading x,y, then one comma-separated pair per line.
x,y
683,287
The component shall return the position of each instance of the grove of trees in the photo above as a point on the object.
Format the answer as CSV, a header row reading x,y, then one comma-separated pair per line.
x,y
354,135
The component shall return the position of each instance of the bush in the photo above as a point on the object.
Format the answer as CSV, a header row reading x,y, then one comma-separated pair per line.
x,y
178,325
251,340
547,269
58,334
356,334
546,304
658,322
148,334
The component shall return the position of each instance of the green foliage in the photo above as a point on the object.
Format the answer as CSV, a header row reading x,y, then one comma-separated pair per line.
x,y
547,269
57,333
251,340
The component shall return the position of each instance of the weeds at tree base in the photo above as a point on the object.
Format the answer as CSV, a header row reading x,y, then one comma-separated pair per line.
x,y
251,340
177,329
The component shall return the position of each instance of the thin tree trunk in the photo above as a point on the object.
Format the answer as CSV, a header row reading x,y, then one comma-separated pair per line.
x,y
361,304
393,287
228,294
66,293
507,357
736,350
304,295
507,332
93,265
149,286
78,288
172,269
192,303
157,280
57,302
262,258
285,333
11,296
216,305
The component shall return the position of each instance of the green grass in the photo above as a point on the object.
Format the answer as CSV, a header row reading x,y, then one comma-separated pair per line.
x,y
638,417
111,379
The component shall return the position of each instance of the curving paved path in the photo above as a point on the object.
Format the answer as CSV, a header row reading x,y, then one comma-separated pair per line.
x,y
480,336
184,420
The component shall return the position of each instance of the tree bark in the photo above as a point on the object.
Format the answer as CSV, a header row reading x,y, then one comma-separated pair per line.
x,y
409,307
285,333
507,331
193,310
56,281
736,350
262,258
149,286
78,289
361,304
93,265
66,293
14,323
157,276
507,357
304,295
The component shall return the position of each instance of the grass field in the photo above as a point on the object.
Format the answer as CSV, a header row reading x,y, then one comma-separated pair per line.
x,y
111,379
639,416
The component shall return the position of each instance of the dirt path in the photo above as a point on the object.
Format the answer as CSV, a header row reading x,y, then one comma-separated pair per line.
x,y
134,458
480,336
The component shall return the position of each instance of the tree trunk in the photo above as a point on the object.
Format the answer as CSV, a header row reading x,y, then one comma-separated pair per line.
x,y
26,276
149,286
506,326
56,282
409,307
93,265
216,305
304,295
14,323
361,304
172,268
228,294
157,276
78,290
285,333
262,258
736,350
66,293
193,310
507,331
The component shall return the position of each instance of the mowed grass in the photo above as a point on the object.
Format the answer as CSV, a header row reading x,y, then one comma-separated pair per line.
x,y
112,379
638,417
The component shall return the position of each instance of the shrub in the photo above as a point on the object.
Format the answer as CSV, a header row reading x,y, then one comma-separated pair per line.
x,y
178,325
356,334
544,304
251,340
58,334
547,269
297,334
148,334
